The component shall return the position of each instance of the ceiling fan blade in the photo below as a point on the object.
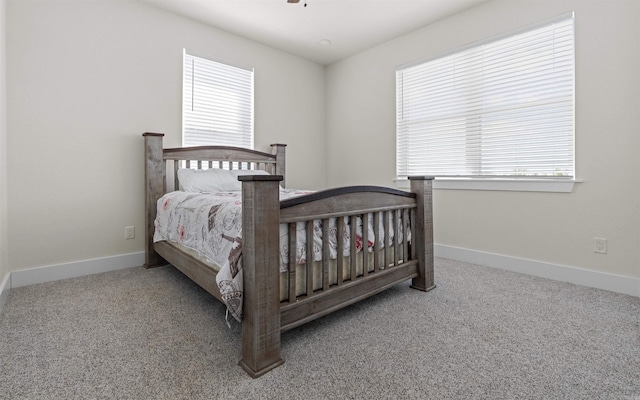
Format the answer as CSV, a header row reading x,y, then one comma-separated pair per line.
x,y
293,1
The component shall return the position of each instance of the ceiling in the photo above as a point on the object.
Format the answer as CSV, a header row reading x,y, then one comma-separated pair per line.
x,y
323,31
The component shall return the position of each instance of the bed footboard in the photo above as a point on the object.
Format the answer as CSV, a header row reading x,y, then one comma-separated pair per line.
x,y
368,267
371,226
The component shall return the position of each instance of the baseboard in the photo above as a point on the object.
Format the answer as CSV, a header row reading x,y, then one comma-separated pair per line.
x,y
51,273
584,277
5,285
600,280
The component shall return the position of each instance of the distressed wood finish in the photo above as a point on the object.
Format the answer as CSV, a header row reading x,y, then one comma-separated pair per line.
x,y
265,315
190,266
157,158
301,312
423,228
155,178
347,200
217,153
260,266
278,150
366,203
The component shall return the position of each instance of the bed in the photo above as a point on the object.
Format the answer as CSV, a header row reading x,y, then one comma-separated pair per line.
x,y
360,240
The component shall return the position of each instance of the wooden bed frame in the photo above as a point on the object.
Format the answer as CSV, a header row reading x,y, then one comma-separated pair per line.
x,y
265,316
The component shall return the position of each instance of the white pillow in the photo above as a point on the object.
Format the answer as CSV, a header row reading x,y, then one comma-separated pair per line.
x,y
240,172
213,179
206,180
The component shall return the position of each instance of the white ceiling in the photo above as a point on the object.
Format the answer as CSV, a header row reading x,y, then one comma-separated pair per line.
x,y
351,26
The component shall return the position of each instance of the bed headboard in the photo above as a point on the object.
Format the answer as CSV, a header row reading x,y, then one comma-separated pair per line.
x,y
161,163
225,157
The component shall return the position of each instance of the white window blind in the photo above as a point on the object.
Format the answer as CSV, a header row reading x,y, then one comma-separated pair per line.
x,y
217,104
502,108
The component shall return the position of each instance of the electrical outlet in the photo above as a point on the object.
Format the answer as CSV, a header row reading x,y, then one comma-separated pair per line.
x,y
129,232
600,245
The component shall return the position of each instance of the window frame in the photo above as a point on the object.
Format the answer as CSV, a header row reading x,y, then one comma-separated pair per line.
x,y
514,182
247,110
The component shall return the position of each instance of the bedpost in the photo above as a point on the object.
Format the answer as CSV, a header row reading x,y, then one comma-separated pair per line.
x,y
423,235
260,266
279,151
155,177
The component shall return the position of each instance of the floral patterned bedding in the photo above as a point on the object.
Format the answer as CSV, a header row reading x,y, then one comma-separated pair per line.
x,y
211,225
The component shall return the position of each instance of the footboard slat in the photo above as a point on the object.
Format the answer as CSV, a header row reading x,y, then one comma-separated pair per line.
x,y
405,234
352,247
386,243
293,243
365,244
340,250
396,235
326,254
309,257
413,247
378,238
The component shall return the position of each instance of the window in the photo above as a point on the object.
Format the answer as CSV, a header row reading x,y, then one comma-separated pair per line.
x,y
499,109
217,104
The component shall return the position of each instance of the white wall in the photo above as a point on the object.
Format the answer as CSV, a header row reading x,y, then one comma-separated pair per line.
x,y
4,263
548,227
85,80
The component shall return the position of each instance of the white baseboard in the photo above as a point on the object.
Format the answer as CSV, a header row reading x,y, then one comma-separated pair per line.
x,y
50,273
600,280
584,277
5,285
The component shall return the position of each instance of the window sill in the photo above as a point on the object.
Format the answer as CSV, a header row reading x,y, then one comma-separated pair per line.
x,y
501,184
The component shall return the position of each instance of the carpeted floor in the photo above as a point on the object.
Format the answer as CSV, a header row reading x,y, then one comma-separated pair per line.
x,y
483,333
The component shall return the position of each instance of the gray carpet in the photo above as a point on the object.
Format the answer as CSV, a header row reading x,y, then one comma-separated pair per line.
x,y
482,333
